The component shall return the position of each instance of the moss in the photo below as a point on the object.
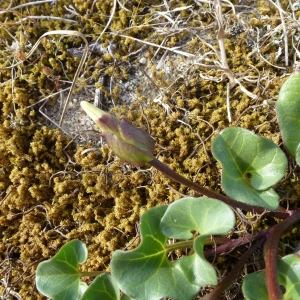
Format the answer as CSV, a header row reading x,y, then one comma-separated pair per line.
x,y
52,192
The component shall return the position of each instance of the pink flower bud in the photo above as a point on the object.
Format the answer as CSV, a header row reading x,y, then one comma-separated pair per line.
x,y
130,143
103,120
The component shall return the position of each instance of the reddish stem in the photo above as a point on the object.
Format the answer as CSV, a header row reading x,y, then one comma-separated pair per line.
x,y
204,191
271,250
233,243
224,284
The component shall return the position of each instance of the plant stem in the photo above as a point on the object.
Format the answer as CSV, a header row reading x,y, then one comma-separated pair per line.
x,y
204,191
271,250
233,243
189,243
91,274
224,284
179,245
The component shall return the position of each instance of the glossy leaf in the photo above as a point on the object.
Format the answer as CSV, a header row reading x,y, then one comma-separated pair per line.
x,y
206,216
288,112
196,268
145,273
255,287
251,166
59,277
103,287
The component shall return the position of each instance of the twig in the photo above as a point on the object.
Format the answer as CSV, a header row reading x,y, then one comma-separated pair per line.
x,y
232,244
221,40
224,284
9,291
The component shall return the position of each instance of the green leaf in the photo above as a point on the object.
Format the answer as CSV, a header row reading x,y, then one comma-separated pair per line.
x,y
196,268
255,287
125,297
251,166
288,112
145,273
59,277
103,287
206,216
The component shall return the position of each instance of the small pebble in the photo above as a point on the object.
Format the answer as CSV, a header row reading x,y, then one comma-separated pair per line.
x,y
143,60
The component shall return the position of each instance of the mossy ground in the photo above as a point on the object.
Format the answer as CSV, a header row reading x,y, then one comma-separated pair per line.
x,y
51,193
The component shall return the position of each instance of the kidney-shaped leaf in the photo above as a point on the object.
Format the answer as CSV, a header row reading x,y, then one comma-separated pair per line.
x,y
251,166
145,273
205,215
103,287
255,287
196,268
288,112
59,277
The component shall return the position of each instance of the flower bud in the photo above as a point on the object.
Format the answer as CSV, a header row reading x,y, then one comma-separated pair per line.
x,y
103,120
130,143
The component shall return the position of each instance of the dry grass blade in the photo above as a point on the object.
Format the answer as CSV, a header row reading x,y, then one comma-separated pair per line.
x,y
181,70
286,46
10,9
186,54
83,58
108,23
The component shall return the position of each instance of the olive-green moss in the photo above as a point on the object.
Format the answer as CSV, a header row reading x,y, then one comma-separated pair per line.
x,y
51,192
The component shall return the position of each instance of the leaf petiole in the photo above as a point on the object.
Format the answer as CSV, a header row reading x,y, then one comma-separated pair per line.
x,y
189,244
92,274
